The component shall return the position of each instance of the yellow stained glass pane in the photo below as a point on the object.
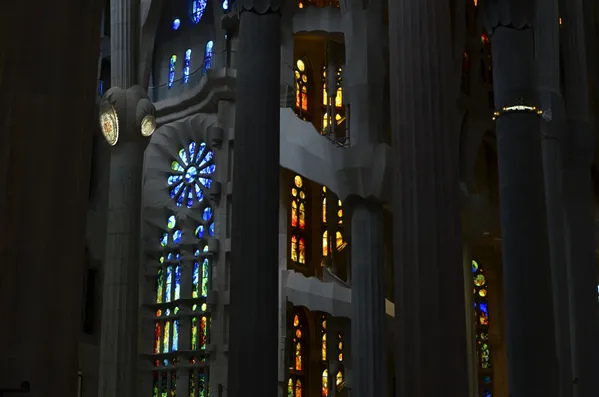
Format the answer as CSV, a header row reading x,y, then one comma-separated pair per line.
x,y
325,243
302,216
298,356
302,251
339,98
324,347
324,210
339,377
339,242
298,181
325,383
300,65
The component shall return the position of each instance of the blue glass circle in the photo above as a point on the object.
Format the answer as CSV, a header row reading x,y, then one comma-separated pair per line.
x,y
177,236
176,23
191,174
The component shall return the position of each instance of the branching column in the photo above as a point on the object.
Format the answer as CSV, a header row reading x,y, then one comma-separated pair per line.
x,y
46,129
532,361
253,326
429,280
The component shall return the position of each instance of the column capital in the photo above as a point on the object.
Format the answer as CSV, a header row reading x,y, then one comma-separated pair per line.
x,y
516,14
261,6
372,203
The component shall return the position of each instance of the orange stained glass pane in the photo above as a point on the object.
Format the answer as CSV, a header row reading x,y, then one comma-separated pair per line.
x,y
302,251
325,243
339,238
324,210
298,388
302,216
298,356
294,248
296,320
304,100
294,213
324,347
325,383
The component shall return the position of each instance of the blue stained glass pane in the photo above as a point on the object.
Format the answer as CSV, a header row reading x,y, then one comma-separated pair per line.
x,y
183,156
195,281
226,5
176,23
205,249
207,158
197,10
192,147
164,240
181,198
211,229
177,236
169,257
176,190
197,253
171,222
191,174
487,379
175,346
190,198
169,281
199,193
178,257
486,393
484,309
200,151
200,232
186,69
206,182
208,55
205,278
171,70
178,282
207,214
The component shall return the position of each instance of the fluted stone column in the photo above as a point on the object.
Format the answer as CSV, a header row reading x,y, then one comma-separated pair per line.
x,y
123,39
119,331
255,208
364,74
46,130
532,360
429,281
369,359
578,198
553,124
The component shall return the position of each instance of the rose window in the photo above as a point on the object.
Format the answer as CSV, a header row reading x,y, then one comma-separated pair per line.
x,y
192,174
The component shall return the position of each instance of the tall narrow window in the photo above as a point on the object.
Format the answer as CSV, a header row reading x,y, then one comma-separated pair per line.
x,y
339,380
186,66
197,10
298,221
332,105
481,315
208,56
171,70
166,321
301,85
323,356
297,366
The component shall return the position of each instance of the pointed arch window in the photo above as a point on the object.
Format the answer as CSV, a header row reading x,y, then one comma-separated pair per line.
x,y
297,366
481,315
298,221
301,85
332,106
208,55
339,379
328,242
186,66
323,356
172,65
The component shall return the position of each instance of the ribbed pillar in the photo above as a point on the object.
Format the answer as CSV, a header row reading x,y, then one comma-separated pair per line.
x,y
369,361
123,41
532,361
578,197
118,355
255,208
365,69
553,126
46,127
429,281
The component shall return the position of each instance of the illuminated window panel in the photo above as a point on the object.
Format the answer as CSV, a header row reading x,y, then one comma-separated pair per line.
x,y
191,174
481,315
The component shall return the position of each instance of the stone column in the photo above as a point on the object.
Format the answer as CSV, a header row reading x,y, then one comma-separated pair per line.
x,y
369,361
46,127
532,361
364,74
578,198
255,208
429,280
123,39
552,130
119,332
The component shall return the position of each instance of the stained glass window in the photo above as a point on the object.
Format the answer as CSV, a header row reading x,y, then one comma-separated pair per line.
x,y
301,85
226,5
192,173
297,365
335,103
481,315
186,66
197,10
323,356
298,220
176,23
167,296
171,70
208,55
